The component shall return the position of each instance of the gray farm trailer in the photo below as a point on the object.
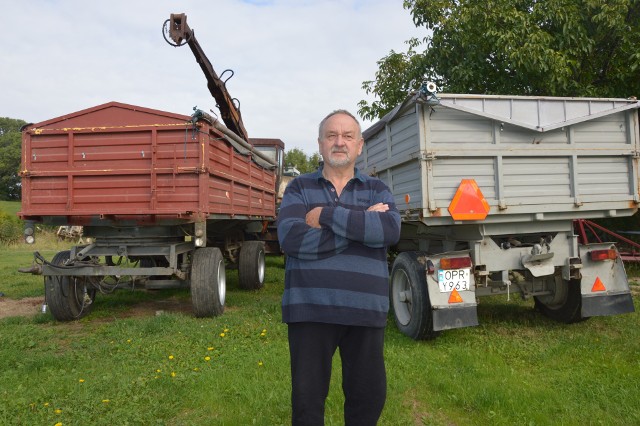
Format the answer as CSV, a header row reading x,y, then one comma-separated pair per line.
x,y
488,188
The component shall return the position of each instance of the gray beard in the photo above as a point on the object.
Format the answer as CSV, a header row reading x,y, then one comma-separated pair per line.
x,y
338,163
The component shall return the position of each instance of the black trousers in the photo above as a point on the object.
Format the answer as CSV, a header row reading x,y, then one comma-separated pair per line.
x,y
364,380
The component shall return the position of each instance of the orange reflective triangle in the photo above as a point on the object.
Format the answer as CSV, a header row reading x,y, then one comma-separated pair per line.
x,y
468,202
455,297
598,286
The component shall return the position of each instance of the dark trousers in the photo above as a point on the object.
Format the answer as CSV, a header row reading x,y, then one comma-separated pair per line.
x,y
364,380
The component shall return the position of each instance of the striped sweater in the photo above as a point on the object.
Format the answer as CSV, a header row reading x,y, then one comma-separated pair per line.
x,y
337,274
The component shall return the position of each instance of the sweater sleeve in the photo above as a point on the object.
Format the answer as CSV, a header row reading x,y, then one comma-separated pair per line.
x,y
373,229
297,239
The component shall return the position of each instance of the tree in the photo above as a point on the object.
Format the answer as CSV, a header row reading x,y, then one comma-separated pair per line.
x,y
298,159
516,47
314,161
10,149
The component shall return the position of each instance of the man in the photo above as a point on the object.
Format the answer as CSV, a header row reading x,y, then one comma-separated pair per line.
x,y
335,225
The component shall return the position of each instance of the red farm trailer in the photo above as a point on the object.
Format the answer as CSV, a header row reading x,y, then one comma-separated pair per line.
x,y
167,200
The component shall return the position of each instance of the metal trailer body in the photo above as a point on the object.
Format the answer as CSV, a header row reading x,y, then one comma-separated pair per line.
x,y
488,188
168,200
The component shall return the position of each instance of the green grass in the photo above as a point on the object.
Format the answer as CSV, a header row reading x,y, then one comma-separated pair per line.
x,y
114,367
11,207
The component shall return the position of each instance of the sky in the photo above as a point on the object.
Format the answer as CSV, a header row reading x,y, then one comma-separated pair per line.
x,y
294,61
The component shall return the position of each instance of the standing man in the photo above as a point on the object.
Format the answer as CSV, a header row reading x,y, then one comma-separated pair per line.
x,y
335,225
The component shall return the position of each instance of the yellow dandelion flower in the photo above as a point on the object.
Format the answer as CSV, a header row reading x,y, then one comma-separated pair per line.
x,y
170,356
196,369
158,371
221,334
128,340
173,374
46,404
58,411
260,364
210,348
105,401
226,330
81,380
58,424
207,358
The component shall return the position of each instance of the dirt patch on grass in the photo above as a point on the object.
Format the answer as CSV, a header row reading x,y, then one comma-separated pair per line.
x,y
20,308
30,306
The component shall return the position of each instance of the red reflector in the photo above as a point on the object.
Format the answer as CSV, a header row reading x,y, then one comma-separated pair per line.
x,y
455,263
468,202
430,267
598,285
597,255
455,297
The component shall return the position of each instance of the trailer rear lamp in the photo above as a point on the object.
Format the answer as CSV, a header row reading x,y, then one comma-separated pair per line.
x,y
431,269
455,263
199,242
29,239
599,255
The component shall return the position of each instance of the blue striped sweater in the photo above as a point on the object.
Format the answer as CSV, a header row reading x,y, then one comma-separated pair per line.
x,y
337,274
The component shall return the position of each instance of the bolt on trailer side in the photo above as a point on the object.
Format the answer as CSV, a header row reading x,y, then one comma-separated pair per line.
x,y
152,190
499,180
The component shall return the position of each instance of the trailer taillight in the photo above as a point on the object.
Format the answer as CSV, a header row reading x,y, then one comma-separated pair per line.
x,y
430,267
598,255
455,263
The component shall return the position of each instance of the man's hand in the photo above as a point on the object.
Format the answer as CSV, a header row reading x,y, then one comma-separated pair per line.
x,y
313,217
380,207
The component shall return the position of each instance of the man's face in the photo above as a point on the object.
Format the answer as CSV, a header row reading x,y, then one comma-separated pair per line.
x,y
340,143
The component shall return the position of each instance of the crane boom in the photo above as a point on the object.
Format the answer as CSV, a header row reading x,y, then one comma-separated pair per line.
x,y
181,34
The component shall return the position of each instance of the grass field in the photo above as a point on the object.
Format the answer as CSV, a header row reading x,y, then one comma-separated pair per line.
x,y
11,207
141,358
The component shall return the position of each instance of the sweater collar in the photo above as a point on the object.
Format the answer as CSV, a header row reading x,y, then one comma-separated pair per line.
x,y
356,174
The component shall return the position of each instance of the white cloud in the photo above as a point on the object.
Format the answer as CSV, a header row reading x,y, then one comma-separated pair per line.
x,y
294,61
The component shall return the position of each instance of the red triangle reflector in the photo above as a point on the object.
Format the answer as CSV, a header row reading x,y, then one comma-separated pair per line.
x,y
598,286
468,202
455,297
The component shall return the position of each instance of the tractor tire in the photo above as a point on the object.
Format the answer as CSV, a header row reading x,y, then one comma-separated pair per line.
x,y
208,282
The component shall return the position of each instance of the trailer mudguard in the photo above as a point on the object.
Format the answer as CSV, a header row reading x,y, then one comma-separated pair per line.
x,y
446,318
451,310
604,286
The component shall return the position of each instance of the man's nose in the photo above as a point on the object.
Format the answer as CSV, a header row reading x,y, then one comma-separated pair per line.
x,y
340,140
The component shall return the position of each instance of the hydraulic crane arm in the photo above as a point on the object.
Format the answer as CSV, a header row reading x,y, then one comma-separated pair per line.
x,y
180,33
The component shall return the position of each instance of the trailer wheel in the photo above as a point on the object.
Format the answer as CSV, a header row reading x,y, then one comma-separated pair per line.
x,y
410,299
67,297
251,265
564,304
208,282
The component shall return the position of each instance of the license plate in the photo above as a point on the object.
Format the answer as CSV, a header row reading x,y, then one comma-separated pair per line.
x,y
450,279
